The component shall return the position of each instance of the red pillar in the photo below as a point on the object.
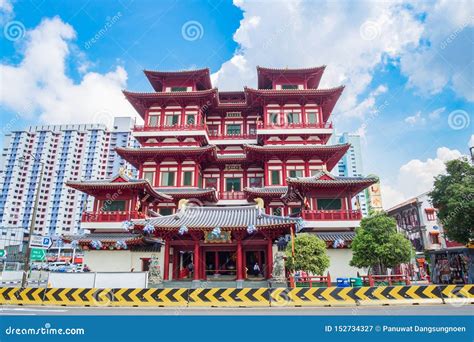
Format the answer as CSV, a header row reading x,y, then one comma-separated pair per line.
x,y
240,265
175,264
196,262
269,258
216,262
166,268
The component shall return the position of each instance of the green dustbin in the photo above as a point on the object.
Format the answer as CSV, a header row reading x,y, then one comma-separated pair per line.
x,y
356,282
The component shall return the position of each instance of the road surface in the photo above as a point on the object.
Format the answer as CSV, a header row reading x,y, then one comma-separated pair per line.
x,y
397,310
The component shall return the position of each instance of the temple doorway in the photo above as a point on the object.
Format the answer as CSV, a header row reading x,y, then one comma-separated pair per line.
x,y
255,262
220,265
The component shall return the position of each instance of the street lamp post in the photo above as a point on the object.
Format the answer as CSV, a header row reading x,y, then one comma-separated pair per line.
x,y
32,226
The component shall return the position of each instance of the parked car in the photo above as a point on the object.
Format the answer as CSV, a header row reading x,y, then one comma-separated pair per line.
x,y
57,266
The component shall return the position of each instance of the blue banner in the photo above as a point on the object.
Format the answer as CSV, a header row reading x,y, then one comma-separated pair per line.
x,y
237,328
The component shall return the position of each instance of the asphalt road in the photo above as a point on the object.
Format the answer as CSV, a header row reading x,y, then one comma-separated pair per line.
x,y
187,311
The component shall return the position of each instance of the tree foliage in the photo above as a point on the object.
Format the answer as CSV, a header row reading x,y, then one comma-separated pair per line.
x,y
310,255
378,244
453,196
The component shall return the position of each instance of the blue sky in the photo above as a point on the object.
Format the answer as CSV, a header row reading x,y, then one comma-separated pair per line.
x,y
408,69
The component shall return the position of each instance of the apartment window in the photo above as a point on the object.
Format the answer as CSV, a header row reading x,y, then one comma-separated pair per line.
x,y
329,203
293,118
166,211
179,88
295,173
211,182
232,184
275,177
153,120
312,117
273,118
167,178
255,182
289,86
188,178
149,176
233,129
172,120
430,214
114,206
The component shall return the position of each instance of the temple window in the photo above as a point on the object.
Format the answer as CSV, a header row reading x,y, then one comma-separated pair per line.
x,y
153,120
275,177
234,129
312,117
190,119
172,119
232,184
289,86
179,88
295,173
187,178
113,206
213,130
293,117
252,129
149,176
276,211
166,211
167,178
255,182
211,182
295,210
329,203
273,118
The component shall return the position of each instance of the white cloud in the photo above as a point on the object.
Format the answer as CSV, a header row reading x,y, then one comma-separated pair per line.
x,y
415,119
420,119
444,62
6,7
303,33
353,39
416,177
39,85
471,141
435,114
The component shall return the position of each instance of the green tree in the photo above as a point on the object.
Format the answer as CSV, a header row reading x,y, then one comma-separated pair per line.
x,y
378,244
453,196
310,255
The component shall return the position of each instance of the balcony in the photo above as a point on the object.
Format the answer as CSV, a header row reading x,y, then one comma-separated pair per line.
x,y
232,195
217,136
111,216
317,125
331,215
164,128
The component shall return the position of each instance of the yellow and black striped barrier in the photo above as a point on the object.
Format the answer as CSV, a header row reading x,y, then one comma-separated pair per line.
x,y
246,297
150,297
229,297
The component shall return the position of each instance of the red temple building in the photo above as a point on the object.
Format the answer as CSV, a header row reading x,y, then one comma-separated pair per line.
x,y
224,179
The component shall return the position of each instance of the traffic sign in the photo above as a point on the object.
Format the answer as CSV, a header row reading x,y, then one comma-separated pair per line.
x,y
38,241
38,254
3,253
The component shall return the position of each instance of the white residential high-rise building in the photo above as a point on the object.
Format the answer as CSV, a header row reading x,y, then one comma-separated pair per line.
x,y
351,166
68,152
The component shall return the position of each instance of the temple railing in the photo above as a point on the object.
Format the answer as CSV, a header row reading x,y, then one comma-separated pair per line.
x,y
217,136
179,127
331,215
111,216
264,125
232,195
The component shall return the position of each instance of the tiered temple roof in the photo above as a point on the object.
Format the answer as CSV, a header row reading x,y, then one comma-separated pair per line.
x,y
312,75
